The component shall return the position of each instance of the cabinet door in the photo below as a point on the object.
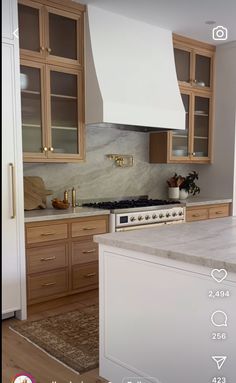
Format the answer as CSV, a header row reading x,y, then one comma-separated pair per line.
x,y
65,113
63,37
9,19
31,19
183,64
203,68
11,299
180,142
202,126
33,110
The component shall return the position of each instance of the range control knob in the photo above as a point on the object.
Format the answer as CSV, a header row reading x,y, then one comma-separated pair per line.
x,y
161,215
167,215
154,216
140,218
132,219
180,213
147,217
174,214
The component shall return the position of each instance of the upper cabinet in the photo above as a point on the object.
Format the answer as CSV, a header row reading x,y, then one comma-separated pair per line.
x,y
195,73
52,80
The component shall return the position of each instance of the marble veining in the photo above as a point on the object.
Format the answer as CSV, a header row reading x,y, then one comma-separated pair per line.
x,y
98,177
211,243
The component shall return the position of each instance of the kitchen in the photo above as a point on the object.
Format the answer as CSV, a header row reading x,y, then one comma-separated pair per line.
x,y
125,150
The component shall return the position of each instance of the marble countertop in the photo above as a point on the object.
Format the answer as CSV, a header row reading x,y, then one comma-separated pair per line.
x,y
53,214
200,201
211,243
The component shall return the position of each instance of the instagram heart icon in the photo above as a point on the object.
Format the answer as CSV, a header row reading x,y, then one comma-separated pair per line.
x,y
219,275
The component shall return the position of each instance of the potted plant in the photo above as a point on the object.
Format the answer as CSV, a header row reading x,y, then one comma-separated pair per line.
x,y
174,183
188,185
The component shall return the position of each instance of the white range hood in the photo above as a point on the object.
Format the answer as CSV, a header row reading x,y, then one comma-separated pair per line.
x,y
130,74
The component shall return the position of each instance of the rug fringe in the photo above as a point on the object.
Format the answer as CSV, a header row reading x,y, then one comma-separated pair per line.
x,y
40,348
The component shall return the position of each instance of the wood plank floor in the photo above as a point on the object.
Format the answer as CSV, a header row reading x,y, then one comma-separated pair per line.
x,y
20,355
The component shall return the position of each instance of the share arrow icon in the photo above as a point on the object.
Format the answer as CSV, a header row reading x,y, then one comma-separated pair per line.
x,y
220,360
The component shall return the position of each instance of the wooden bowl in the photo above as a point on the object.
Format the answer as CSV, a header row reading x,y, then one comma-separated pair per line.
x,y
58,204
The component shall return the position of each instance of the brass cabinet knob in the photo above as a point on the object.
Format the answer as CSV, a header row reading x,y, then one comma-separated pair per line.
x,y
42,49
51,149
45,149
194,154
49,50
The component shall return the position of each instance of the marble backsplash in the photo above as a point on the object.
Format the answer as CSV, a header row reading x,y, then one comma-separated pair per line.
x,y
99,178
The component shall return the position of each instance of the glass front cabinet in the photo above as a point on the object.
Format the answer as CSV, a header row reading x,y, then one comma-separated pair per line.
x,y
52,82
195,73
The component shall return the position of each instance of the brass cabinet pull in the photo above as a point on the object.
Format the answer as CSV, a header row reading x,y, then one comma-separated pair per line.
x,y
196,215
51,149
90,275
89,228
13,190
48,284
46,234
48,259
44,149
89,251
219,212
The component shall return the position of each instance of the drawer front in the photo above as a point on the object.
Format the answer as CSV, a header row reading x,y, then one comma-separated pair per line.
x,y
219,211
84,275
46,233
46,258
49,284
196,214
84,252
83,228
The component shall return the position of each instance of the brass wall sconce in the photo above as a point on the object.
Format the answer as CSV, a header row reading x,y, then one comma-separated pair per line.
x,y
121,160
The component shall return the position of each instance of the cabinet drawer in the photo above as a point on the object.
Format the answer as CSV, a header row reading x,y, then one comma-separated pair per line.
x,y
46,258
219,211
83,228
84,252
84,275
46,233
44,285
196,214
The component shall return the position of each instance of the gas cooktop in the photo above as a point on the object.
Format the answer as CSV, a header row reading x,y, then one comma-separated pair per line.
x,y
129,204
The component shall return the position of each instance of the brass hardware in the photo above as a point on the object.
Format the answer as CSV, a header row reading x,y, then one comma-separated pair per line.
x,y
42,49
13,190
46,234
48,284
49,50
196,215
219,212
89,251
89,228
89,275
193,154
51,149
47,259
121,160
45,149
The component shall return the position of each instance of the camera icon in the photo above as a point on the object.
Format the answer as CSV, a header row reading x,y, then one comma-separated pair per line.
x,y
219,33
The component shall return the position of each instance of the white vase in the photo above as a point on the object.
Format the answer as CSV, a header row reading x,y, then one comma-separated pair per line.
x,y
173,193
183,194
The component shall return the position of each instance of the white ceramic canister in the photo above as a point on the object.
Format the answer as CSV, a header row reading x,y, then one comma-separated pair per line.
x,y
173,193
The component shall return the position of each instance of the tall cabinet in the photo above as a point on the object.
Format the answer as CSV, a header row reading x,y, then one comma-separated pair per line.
x,y
13,247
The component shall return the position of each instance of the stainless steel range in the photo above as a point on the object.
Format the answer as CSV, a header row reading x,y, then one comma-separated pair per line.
x,y
141,213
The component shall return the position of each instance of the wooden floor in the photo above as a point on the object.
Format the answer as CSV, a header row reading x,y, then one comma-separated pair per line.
x,y
21,356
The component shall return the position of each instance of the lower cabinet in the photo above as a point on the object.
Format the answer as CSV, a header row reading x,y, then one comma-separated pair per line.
x,y
62,258
200,213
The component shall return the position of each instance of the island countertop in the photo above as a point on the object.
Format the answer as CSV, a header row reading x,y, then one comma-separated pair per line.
x,y
210,243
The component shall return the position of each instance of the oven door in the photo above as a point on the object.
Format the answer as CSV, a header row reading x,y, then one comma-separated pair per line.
x,y
148,226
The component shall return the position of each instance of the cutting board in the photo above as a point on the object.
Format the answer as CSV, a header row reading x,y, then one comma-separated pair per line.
x,y
35,193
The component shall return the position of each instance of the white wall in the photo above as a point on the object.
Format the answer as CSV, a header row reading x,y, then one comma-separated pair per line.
x,y
217,180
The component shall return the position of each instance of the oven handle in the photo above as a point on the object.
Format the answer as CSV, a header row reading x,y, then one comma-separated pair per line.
x,y
129,228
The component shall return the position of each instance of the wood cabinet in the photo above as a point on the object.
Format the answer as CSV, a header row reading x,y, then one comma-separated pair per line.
x,y
52,80
62,258
195,72
199,213
13,249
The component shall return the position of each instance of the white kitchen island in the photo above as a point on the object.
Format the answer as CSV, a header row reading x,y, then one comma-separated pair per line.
x,y
159,308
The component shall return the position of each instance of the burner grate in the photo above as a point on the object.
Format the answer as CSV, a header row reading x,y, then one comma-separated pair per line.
x,y
127,204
